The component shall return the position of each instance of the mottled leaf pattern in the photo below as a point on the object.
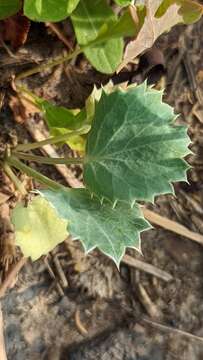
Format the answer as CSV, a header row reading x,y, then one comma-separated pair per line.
x,y
134,151
97,224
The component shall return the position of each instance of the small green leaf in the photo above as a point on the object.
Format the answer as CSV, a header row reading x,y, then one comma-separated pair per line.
x,y
9,8
61,117
75,142
97,224
123,2
191,11
126,26
134,151
38,229
88,20
49,10
61,120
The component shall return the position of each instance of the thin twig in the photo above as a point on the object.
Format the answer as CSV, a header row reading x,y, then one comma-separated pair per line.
x,y
55,28
148,268
192,202
170,329
53,277
82,330
11,276
147,303
172,226
191,77
64,281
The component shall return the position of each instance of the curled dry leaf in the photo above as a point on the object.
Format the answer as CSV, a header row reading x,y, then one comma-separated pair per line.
x,y
153,27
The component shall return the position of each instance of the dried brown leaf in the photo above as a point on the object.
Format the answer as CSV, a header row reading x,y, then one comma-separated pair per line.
x,y
153,27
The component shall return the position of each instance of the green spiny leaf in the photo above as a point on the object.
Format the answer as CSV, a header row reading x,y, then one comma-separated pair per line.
x,y
9,7
134,151
97,224
49,10
88,20
38,229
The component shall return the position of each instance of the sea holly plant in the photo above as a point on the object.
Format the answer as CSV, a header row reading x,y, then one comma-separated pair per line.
x,y
133,152
129,146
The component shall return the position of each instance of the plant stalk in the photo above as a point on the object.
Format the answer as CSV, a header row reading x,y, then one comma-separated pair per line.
x,y
13,161
49,65
48,160
59,60
52,140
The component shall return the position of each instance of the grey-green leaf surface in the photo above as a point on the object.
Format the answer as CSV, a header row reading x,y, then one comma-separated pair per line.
x,y
49,10
9,7
97,224
134,151
88,20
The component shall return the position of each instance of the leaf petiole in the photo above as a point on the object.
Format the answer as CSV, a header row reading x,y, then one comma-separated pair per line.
x,y
49,64
48,160
52,140
13,161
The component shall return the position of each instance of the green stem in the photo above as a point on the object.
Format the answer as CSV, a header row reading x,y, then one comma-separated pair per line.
x,y
48,65
61,60
13,161
52,140
47,160
18,184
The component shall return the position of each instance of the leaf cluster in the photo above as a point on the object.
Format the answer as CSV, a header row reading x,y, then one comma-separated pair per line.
x,y
133,152
100,32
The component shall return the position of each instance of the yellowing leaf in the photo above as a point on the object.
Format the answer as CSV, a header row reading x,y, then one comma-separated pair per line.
x,y
190,10
153,27
38,228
